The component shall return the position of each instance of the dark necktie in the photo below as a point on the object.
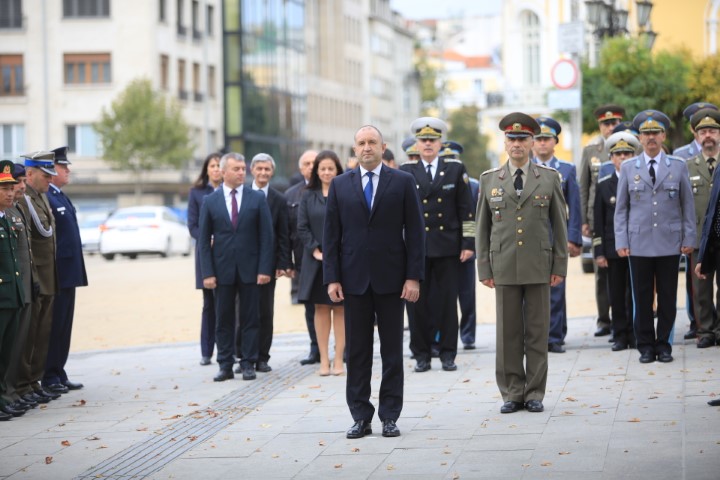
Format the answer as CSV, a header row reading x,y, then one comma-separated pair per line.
x,y
429,173
368,190
711,165
652,170
234,208
518,180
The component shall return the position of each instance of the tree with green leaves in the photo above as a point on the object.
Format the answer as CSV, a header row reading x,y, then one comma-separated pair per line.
x,y
431,86
143,130
464,129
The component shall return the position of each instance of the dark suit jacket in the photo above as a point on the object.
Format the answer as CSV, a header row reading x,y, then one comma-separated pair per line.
x,y
281,229
68,249
311,218
604,213
293,195
706,266
245,251
378,249
195,200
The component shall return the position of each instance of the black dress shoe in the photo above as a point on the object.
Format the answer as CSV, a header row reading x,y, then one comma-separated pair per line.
x,y
263,367
46,393
617,346
449,366
390,429
248,373
705,342
714,403
223,375
602,331
20,405
469,346
27,402
555,348
511,407
359,429
73,385
56,388
11,411
4,417
647,357
31,397
205,361
422,366
310,359
534,406
690,334
664,357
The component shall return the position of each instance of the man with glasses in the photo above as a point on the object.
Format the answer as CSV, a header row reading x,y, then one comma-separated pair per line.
x,y
449,214
608,116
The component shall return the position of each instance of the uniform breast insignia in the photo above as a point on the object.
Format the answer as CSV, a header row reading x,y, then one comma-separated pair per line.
x,y
695,178
498,215
612,200
449,186
442,174
637,178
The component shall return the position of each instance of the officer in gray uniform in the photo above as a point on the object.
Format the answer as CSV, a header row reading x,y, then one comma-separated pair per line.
x,y
521,243
654,224
608,116
706,126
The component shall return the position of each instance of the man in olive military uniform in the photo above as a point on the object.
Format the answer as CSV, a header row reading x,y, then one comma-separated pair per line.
x,y
521,243
608,116
442,186
39,169
11,290
622,146
706,126
654,224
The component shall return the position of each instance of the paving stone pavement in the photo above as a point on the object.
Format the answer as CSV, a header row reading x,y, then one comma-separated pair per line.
x,y
153,412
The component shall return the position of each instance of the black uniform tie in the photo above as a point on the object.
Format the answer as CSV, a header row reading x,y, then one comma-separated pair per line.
x,y
711,165
429,173
652,170
518,180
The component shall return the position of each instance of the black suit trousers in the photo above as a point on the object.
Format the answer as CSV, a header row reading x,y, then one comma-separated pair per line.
x,y
60,335
663,273
249,322
360,314
621,299
267,312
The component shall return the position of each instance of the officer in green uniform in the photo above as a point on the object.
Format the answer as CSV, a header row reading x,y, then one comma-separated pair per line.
x,y
521,244
11,290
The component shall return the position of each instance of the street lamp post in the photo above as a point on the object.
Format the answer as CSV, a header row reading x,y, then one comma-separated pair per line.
x,y
611,21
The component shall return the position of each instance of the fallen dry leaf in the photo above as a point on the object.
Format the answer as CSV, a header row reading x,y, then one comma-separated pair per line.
x,y
443,463
192,438
142,429
65,443
634,420
456,476
338,465
175,387
172,417
48,460
570,399
275,455
466,380
79,403
563,453
102,446
545,464
265,425
92,438
568,413
193,404
594,406
390,466
447,452
355,450
321,443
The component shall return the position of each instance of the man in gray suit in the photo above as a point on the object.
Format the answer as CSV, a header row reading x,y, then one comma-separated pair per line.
x,y
654,223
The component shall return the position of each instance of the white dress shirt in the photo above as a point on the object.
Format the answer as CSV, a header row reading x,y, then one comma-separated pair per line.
x,y
375,180
228,198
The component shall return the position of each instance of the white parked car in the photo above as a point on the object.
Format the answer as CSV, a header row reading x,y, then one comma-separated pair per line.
x,y
138,230
89,224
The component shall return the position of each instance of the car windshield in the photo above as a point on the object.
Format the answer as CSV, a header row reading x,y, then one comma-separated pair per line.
x,y
132,215
91,222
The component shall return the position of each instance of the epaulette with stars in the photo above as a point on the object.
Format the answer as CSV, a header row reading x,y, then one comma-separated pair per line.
x,y
411,162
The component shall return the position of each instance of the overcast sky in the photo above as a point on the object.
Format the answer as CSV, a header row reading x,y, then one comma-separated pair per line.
x,y
421,9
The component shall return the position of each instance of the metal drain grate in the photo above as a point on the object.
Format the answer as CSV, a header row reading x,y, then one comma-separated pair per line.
x,y
149,456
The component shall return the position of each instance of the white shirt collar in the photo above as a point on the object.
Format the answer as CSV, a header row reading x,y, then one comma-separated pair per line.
x,y
264,189
433,163
648,158
227,190
55,187
375,170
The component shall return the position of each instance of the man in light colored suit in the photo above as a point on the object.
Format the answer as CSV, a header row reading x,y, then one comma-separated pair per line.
x,y
654,224
236,256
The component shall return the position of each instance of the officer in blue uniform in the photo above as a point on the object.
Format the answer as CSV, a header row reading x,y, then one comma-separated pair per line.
x,y
654,224
71,274
544,154
409,146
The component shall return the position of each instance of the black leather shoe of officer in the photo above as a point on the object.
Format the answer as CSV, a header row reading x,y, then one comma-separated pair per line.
x,y
602,331
27,402
4,417
534,406
647,357
11,411
511,407
205,361
42,392
714,402
73,385
469,346
422,366
20,405
390,429
555,348
56,388
705,342
223,375
31,397
311,359
664,357
248,373
359,429
263,367
449,366
619,345
691,333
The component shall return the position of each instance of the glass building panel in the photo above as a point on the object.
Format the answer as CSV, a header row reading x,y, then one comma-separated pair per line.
x,y
232,15
233,59
7,140
107,72
233,121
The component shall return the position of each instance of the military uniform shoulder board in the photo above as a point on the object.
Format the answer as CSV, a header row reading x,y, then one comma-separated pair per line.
x,y
545,167
452,160
496,169
677,159
411,162
563,162
601,179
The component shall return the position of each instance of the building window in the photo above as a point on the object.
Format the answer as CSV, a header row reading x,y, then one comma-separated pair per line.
x,y
209,20
11,71
10,14
181,30
182,93
531,47
83,141
197,96
86,8
211,82
162,10
12,140
164,71
87,68
195,20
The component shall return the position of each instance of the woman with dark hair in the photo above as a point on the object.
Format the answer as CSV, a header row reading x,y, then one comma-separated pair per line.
x,y
209,179
311,217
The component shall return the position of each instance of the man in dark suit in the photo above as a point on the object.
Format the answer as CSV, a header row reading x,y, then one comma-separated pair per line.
x,y
71,274
262,168
373,252
293,196
236,249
